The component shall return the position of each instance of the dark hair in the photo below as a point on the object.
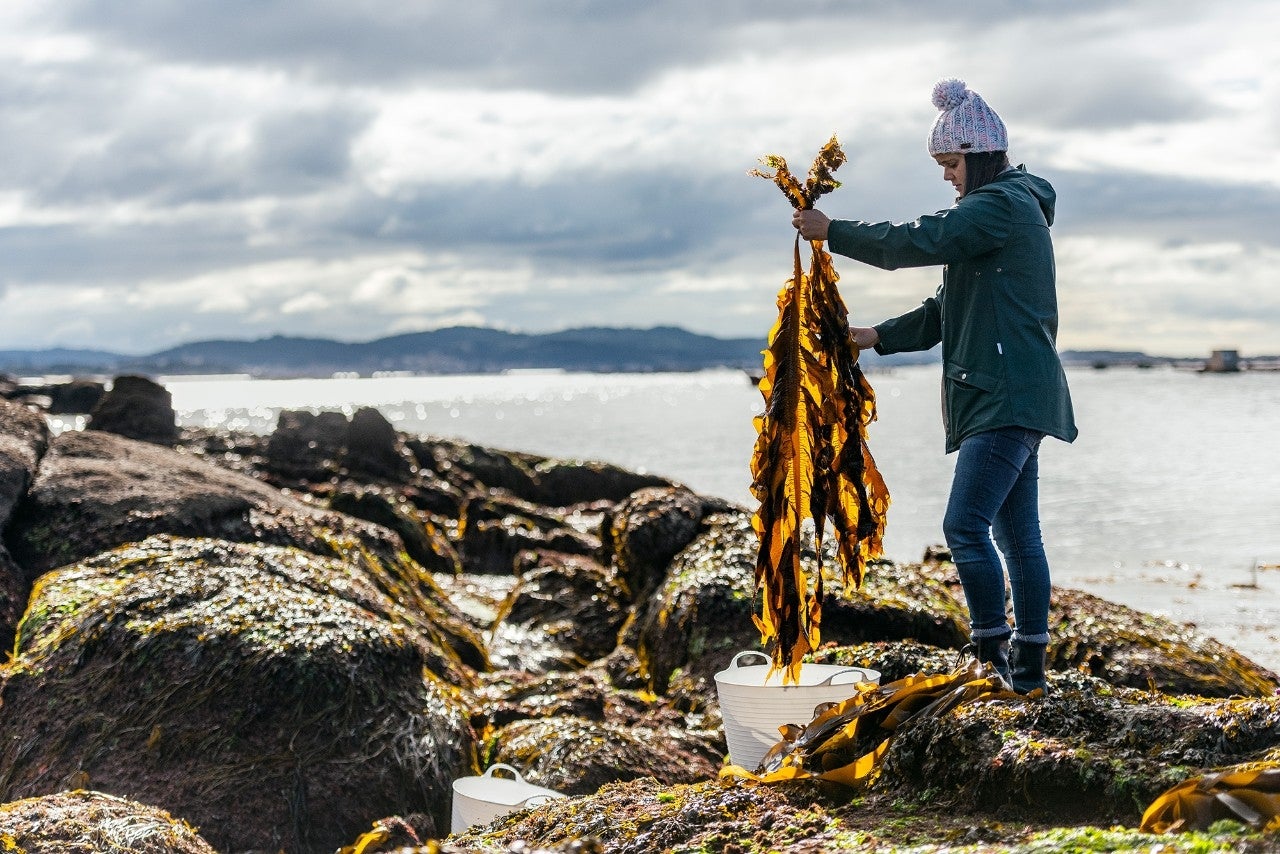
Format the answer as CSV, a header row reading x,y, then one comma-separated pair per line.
x,y
982,167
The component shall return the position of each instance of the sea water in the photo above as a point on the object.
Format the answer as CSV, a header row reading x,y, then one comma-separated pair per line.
x,y
1169,501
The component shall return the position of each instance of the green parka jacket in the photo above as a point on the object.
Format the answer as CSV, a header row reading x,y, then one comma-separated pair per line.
x,y
996,312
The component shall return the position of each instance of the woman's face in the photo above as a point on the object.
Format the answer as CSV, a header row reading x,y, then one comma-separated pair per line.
x,y
952,170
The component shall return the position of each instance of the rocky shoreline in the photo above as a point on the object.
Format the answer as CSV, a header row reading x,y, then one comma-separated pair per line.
x,y
262,643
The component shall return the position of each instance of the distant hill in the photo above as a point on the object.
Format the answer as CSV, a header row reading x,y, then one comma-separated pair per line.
x,y
443,351
464,349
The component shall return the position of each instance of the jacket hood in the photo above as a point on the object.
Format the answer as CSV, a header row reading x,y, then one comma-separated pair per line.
x,y
1041,189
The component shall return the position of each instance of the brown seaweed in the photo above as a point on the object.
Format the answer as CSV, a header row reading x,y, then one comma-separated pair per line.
x,y
811,460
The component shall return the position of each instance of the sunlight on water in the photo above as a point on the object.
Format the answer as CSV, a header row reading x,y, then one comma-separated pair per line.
x,y
1165,501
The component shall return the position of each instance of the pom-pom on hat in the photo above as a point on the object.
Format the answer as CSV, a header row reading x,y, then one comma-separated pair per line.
x,y
966,123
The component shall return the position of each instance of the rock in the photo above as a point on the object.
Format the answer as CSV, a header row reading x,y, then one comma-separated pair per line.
x,y
564,611
424,542
495,531
95,491
1126,647
137,408
24,438
307,446
646,531
701,616
1090,751
75,397
643,816
561,483
892,659
550,482
374,448
94,823
273,698
577,756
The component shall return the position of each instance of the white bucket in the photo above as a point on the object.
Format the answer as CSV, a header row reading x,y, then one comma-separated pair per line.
x,y
479,800
753,707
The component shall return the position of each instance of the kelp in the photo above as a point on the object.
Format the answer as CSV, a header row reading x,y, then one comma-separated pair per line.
x,y
1248,793
811,460
846,741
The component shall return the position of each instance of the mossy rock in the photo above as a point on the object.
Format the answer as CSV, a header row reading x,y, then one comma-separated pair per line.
x,y
577,756
646,530
272,698
1088,752
84,822
1127,647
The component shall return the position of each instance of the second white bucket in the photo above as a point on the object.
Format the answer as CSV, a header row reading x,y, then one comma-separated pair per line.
x,y
479,800
754,704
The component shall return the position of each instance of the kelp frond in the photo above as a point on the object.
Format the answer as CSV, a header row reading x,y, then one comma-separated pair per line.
x,y
811,460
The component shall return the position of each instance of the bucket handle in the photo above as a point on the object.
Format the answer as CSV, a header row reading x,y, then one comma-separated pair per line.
x,y
488,772
755,652
830,680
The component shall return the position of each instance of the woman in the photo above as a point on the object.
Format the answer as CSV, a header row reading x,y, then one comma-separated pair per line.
x,y
1003,385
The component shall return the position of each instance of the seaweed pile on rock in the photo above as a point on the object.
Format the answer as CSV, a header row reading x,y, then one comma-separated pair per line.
x,y
280,642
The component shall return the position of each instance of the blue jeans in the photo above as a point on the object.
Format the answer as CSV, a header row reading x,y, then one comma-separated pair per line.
x,y
994,491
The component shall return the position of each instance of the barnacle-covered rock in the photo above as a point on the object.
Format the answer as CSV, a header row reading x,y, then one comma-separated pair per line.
x,y
86,822
273,698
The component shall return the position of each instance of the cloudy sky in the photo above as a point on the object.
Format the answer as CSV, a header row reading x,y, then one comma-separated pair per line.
x,y
176,170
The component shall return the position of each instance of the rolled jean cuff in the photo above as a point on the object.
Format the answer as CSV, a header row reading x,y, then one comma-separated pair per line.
x,y
1041,638
995,632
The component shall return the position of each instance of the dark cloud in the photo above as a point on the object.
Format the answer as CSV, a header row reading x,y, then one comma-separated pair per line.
x,y
1167,209
560,45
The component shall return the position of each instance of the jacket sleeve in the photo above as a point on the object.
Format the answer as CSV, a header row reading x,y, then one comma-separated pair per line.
x,y
918,329
978,224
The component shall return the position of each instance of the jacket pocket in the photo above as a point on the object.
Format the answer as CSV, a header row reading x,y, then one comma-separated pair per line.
x,y
964,376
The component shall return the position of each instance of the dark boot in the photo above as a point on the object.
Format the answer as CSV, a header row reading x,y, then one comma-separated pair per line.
x,y
994,651
1028,667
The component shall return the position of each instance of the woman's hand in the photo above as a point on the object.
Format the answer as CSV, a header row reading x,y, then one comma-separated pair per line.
x,y
812,224
864,337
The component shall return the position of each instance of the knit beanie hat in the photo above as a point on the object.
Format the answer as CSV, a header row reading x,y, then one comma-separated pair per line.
x,y
966,123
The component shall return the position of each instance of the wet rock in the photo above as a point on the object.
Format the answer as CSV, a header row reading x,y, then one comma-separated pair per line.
x,y
88,822
138,408
306,445
273,698
701,616
1126,647
646,531
564,482
1090,751
577,756
374,448
565,611
542,480
475,468
424,542
495,545
515,695
13,597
